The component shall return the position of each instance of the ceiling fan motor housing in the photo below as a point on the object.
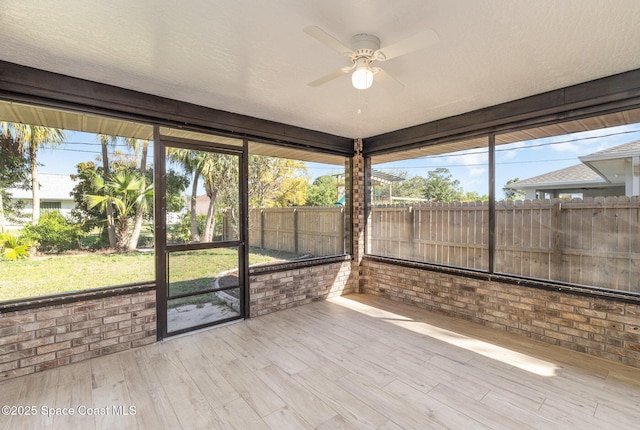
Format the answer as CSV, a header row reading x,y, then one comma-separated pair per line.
x,y
364,45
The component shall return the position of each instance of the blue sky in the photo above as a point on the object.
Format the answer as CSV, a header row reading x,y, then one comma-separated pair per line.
x,y
82,147
77,148
518,160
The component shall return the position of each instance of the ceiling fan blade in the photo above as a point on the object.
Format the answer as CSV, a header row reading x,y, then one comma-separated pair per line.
x,y
328,40
414,43
386,80
329,77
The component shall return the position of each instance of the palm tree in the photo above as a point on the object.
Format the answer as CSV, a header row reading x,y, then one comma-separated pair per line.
x,y
106,141
193,162
219,173
30,138
142,147
124,192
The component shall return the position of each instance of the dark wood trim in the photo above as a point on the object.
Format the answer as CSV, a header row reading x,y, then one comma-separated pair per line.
x,y
492,202
196,145
203,245
160,225
243,270
29,85
600,96
366,204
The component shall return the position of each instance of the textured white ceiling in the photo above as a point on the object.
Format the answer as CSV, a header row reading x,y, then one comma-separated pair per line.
x,y
251,57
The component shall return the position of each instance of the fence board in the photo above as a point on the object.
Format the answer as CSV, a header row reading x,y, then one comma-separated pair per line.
x,y
546,235
592,241
311,231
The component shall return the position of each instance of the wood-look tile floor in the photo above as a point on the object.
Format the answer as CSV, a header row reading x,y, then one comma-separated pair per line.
x,y
353,362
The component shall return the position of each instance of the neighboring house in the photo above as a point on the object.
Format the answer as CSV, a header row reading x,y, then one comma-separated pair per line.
x,y
55,194
202,204
610,172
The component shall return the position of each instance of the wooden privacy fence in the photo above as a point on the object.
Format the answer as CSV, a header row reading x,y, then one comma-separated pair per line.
x,y
313,231
594,241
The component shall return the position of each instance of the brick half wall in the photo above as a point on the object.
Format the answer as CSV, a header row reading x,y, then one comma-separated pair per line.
x,y
42,338
284,289
604,328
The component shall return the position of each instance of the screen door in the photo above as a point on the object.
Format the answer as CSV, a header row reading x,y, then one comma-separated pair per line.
x,y
201,202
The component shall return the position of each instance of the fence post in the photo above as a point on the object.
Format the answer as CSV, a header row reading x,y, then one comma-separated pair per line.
x,y
344,233
261,228
556,250
295,231
412,231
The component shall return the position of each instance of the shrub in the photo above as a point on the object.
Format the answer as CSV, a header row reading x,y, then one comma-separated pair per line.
x,y
180,232
54,233
14,248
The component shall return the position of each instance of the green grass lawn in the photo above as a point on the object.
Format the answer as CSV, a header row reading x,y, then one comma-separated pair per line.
x,y
53,274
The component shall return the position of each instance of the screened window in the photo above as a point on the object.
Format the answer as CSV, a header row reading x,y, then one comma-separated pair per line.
x,y
77,202
298,204
568,204
431,204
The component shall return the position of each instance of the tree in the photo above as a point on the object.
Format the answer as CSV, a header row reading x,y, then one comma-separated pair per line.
x,y
142,147
441,187
29,139
220,175
472,196
414,187
95,217
14,173
511,193
292,191
276,181
125,194
323,191
175,185
88,218
193,163
107,141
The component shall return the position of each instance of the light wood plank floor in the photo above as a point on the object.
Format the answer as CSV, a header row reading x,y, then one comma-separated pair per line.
x,y
353,362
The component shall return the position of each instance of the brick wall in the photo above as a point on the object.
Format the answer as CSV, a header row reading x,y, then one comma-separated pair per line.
x,y
42,338
358,211
601,327
274,291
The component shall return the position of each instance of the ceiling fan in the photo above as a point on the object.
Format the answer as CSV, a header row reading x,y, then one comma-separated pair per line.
x,y
364,50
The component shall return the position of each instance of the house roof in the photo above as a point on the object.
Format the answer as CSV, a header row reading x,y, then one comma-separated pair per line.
x,y
253,58
52,187
578,174
612,164
597,169
620,151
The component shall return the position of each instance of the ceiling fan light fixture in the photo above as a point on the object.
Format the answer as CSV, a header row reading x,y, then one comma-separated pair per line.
x,y
362,77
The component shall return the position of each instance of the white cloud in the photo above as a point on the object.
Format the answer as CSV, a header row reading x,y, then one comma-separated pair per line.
x,y
472,157
566,147
476,171
509,155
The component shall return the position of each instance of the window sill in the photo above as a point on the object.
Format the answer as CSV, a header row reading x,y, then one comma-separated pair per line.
x,y
309,262
74,296
601,293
